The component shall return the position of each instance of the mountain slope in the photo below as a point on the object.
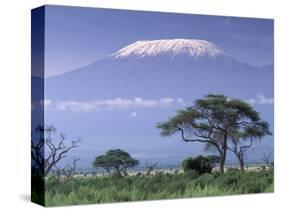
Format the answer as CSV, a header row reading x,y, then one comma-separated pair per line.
x,y
160,68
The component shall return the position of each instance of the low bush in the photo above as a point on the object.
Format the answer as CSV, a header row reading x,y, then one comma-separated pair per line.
x,y
198,164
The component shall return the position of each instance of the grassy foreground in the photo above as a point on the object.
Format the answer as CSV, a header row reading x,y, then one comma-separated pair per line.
x,y
87,190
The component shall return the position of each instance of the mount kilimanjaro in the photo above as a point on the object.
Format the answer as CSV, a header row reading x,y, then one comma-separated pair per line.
x,y
159,68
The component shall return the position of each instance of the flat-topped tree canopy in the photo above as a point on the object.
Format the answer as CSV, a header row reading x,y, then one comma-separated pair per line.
x,y
213,120
115,159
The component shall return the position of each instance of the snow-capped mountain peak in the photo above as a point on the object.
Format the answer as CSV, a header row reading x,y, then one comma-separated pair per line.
x,y
174,47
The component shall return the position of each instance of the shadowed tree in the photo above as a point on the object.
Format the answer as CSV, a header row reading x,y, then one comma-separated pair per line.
x,y
46,153
115,159
211,121
241,141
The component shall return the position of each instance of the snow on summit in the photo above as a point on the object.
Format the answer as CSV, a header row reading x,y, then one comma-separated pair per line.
x,y
190,47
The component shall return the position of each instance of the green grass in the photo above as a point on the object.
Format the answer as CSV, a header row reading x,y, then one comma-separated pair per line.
x,y
85,190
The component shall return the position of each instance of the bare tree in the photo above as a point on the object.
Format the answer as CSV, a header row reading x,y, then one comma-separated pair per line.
x,y
57,172
267,160
69,172
46,153
239,149
37,155
150,167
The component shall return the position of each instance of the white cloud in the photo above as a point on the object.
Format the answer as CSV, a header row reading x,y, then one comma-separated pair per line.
x,y
180,101
46,103
41,104
117,103
260,99
76,106
133,114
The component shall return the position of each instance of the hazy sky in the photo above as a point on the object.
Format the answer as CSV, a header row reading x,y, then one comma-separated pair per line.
x,y
76,37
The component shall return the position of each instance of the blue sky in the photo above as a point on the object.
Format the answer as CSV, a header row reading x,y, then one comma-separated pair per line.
x,y
76,36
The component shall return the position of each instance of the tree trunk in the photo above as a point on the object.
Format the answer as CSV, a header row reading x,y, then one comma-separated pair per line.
x,y
125,172
241,162
118,171
242,166
222,162
108,171
223,154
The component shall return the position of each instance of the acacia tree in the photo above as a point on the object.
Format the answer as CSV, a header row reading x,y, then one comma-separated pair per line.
x,y
103,162
211,121
242,141
116,159
46,153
